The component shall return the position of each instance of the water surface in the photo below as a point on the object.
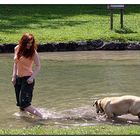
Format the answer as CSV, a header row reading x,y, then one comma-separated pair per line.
x,y
67,85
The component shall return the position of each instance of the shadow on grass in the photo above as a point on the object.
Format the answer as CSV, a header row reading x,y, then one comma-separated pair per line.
x,y
125,30
15,17
33,24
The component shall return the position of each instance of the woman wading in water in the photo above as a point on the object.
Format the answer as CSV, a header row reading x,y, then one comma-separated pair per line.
x,y
23,77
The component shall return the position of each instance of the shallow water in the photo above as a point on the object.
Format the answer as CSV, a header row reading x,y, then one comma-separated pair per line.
x,y
66,89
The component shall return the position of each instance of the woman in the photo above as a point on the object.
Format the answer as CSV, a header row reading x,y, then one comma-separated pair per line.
x,y
23,77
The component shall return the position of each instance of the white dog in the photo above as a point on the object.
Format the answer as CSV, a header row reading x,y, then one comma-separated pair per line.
x,y
116,106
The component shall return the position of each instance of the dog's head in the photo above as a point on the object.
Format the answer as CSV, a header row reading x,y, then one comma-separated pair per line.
x,y
99,108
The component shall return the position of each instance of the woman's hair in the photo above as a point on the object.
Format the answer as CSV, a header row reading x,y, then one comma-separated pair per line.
x,y
23,51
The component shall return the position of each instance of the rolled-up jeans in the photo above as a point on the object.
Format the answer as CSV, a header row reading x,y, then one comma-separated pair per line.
x,y
23,91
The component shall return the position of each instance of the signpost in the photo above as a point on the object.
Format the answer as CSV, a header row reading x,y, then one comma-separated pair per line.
x,y
112,7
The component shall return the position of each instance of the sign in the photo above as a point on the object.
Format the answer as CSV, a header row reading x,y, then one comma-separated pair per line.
x,y
115,6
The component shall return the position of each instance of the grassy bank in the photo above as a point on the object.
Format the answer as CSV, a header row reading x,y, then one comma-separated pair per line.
x,y
90,130
62,23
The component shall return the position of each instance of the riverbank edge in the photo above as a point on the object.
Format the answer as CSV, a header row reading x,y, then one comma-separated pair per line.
x,y
92,45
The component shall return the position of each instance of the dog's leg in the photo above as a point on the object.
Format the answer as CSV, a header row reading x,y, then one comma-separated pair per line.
x,y
110,115
115,115
139,116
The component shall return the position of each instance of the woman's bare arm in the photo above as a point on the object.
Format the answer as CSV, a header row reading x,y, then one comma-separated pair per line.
x,y
37,65
14,73
36,69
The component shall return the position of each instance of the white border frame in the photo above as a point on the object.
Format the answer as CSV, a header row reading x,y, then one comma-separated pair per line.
x,y
69,2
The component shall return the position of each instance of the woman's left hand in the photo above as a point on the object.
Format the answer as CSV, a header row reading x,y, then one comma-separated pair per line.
x,y
30,80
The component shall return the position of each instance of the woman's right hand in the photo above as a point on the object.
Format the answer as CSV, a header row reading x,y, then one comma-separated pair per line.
x,y
13,80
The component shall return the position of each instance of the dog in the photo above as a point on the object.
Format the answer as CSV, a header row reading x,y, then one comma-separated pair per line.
x,y
117,106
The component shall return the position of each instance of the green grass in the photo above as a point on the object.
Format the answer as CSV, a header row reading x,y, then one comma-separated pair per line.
x,y
89,130
62,23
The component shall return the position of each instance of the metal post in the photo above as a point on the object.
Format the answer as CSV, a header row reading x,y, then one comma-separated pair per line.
x,y
121,18
111,19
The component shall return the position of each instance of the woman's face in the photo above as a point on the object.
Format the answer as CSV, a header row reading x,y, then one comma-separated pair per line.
x,y
29,44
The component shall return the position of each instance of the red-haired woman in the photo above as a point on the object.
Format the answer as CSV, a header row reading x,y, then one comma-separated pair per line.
x,y
23,77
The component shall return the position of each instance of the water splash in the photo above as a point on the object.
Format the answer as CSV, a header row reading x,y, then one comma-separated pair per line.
x,y
21,114
80,113
80,116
